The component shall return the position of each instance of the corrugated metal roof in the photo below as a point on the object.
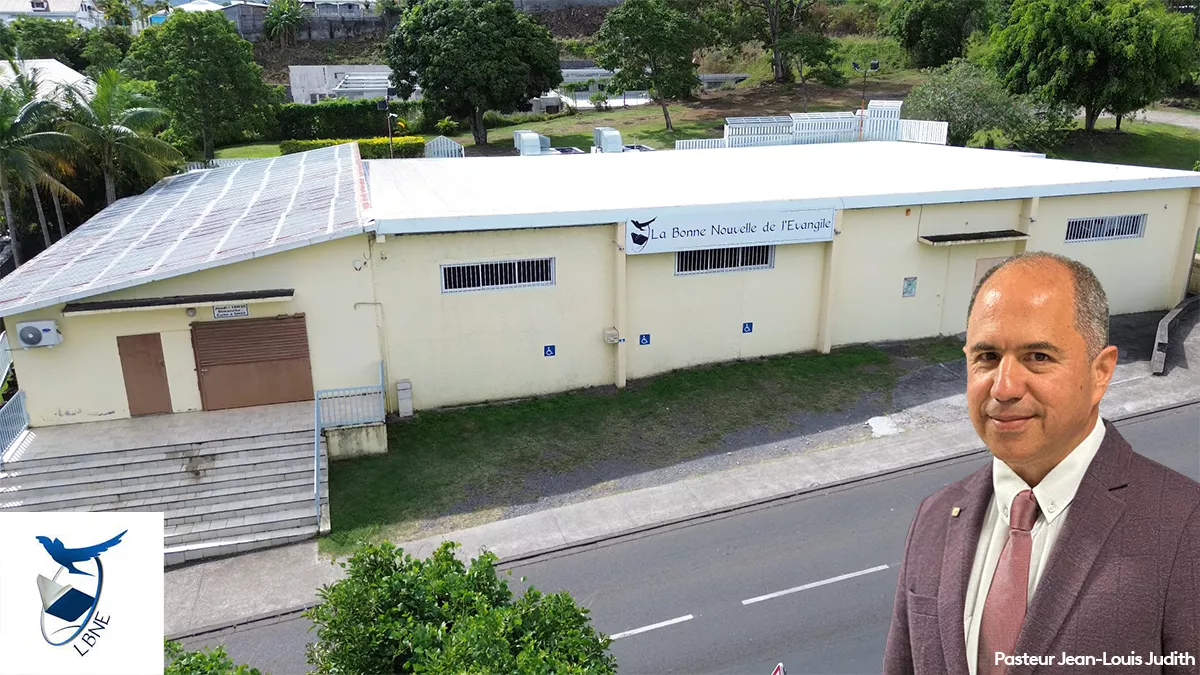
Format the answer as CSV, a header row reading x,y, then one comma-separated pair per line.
x,y
196,221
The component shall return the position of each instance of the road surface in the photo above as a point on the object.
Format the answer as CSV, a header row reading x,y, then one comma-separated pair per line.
x,y
808,581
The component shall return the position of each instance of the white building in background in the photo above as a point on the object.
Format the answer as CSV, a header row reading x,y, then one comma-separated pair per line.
x,y
82,12
49,73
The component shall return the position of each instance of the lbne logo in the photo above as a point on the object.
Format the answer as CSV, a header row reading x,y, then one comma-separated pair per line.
x,y
641,233
71,597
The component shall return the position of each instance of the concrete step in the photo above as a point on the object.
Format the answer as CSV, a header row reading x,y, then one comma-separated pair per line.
x,y
162,490
245,504
237,525
116,457
176,555
196,467
182,460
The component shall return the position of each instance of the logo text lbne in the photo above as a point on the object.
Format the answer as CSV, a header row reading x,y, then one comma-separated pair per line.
x,y
92,634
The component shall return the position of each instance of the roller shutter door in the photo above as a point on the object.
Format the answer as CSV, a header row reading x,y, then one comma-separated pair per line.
x,y
247,362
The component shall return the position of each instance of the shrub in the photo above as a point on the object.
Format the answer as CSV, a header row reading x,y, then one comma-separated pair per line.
x,y
935,31
446,126
369,148
493,119
599,99
204,662
393,613
338,118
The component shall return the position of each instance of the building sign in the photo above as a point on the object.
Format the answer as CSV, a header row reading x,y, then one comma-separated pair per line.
x,y
230,311
910,287
662,234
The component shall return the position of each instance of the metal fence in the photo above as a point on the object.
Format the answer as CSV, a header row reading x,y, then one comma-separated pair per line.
x,y
701,144
5,357
924,131
14,420
345,407
443,147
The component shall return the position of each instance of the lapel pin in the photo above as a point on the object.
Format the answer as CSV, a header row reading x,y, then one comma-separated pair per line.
x,y
955,511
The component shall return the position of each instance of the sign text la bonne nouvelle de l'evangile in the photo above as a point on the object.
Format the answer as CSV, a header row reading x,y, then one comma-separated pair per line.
x,y
666,234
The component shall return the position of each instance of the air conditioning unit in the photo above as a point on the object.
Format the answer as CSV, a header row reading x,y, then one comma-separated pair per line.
x,y
38,334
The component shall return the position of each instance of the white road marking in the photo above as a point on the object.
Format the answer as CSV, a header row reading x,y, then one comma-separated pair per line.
x,y
643,629
814,584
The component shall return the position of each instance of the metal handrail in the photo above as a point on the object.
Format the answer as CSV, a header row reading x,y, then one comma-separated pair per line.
x,y
345,406
14,420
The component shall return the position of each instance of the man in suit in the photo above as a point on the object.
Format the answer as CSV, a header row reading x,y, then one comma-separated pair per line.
x,y
1068,552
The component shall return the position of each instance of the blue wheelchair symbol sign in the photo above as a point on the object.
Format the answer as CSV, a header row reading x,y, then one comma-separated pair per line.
x,y
748,327
644,339
549,350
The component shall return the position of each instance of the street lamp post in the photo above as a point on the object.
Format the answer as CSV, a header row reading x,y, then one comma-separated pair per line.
x,y
873,67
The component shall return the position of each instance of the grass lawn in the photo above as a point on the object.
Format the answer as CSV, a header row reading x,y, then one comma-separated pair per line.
x,y
466,466
1139,143
250,151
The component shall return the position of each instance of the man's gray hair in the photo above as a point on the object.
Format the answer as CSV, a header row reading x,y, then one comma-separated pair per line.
x,y
1091,304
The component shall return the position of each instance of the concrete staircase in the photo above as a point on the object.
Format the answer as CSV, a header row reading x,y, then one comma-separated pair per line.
x,y
218,497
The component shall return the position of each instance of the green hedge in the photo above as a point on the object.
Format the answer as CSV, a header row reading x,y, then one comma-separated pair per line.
x,y
338,118
369,148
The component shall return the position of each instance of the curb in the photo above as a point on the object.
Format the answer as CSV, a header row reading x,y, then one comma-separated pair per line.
x,y
712,513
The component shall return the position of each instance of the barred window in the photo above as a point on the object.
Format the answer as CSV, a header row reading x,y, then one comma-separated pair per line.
x,y
1106,227
722,259
502,274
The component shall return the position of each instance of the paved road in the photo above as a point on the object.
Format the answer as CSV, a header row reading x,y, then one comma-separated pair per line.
x,y
837,551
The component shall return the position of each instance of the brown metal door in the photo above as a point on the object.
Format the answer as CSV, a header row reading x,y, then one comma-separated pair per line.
x,y
145,373
249,362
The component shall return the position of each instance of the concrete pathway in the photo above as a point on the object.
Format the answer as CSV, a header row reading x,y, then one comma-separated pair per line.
x,y
224,592
1175,116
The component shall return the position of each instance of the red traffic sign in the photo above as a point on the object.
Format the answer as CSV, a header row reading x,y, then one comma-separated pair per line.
x,y
779,670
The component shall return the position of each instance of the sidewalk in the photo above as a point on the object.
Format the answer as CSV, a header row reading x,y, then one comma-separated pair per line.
x,y
223,592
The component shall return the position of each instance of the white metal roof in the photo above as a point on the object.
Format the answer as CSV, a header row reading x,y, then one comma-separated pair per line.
x,y
195,221
49,73
444,195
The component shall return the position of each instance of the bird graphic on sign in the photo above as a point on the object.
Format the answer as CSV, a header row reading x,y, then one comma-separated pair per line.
x,y
67,557
641,239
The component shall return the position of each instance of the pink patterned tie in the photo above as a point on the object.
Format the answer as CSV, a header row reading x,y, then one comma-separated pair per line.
x,y
1004,609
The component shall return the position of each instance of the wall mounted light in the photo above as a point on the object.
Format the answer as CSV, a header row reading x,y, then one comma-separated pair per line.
x,y
191,311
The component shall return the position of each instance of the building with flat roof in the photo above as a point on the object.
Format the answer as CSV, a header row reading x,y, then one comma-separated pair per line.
x,y
497,278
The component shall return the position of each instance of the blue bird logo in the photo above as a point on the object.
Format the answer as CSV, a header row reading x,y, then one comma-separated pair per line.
x,y
67,557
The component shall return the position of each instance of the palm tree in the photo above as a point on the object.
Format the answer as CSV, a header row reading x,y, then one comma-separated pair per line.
x,y
25,151
113,124
28,84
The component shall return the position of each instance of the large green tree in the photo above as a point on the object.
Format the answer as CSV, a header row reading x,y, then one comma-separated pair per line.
x,y
26,150
396,614
205,76
471,56
649,44
1099,55
816,58
935,31
116,126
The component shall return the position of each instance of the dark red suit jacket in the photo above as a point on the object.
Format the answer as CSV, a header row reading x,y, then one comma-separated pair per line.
x,y
1123,576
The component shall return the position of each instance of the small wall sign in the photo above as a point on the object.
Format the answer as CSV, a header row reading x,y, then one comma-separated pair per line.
x,y
748,327
548,350
910,287
230,311
644,339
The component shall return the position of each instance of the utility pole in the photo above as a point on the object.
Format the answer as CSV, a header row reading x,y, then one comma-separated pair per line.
x,y
873,67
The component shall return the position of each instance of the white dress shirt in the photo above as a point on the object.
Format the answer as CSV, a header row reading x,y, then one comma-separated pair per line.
x,y
1054,495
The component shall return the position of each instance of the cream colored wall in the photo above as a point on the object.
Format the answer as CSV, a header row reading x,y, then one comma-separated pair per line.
x,y
472,346
81,380
960,280
1136,273
879,249
966,217
697,318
